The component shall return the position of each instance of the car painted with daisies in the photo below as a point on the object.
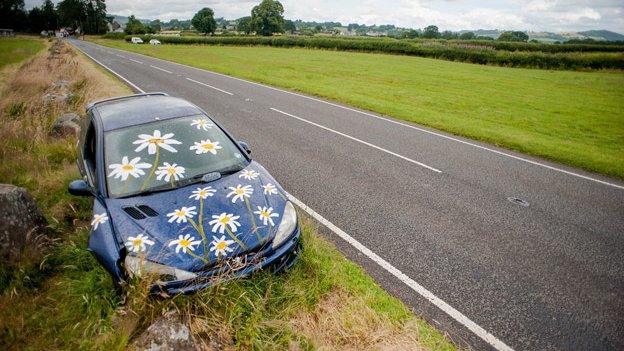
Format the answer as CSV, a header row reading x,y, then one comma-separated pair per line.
x,y
177,198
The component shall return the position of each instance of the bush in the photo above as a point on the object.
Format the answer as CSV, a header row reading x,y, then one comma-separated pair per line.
x,y
473,51
113,35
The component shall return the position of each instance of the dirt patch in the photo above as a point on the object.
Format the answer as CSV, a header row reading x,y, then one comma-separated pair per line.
x,y
342,321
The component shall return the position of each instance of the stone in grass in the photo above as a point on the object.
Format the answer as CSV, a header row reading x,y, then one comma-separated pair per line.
x,y
51,97
21,221
61,84
66,124
167,333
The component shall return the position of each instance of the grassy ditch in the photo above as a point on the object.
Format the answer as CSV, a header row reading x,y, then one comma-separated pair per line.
x,y
576,118
62,299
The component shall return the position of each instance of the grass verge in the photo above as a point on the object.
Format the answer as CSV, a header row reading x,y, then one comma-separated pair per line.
x,y
576,118
63,299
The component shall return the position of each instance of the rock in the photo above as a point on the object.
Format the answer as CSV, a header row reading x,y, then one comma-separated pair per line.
x,y
167,333
50,97
21,221
67,128
60,84
68,117
66,124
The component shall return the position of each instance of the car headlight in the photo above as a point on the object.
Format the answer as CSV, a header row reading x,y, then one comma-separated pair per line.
x,y
287,226
137,266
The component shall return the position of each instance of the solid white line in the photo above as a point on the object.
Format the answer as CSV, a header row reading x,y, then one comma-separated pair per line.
x,y
359,140
133,60
209,86
501,153
458,316
162,69
448,309
134,86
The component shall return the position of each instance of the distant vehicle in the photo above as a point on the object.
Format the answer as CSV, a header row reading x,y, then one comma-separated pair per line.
x,y
177,198
155,42
137,40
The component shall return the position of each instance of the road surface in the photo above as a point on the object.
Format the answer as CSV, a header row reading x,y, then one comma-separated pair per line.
x,y
498,249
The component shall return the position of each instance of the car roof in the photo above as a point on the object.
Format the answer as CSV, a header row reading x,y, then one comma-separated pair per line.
x,y
138,109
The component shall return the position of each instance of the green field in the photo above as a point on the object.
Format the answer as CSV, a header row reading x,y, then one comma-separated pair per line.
x,y
576,118
14,50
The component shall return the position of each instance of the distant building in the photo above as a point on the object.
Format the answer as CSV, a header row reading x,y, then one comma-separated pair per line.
x,y
5,32
231,25
170,33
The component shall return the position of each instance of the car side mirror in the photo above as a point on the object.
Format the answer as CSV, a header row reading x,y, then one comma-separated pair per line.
x,y
245,147
80,188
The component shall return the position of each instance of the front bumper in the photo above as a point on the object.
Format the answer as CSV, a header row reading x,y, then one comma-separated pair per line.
x,y
278,260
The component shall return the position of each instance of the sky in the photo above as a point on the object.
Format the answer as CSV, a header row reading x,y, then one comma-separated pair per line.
x,y
527,15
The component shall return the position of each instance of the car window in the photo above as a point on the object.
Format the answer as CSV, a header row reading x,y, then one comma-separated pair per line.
x,y
165,154
89,154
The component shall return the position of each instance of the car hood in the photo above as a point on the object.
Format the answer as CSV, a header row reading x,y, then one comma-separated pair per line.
x,y
152,217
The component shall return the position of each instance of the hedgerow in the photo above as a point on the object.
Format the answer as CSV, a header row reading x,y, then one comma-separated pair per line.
x,y
480,52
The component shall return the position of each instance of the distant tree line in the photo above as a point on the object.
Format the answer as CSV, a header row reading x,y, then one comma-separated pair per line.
x,y
88,15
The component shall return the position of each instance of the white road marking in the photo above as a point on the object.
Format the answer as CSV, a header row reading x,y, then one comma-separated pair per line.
x,y
134,86
359,140
209,86
162,69
458,316
123,57
448,309
133,60
501,153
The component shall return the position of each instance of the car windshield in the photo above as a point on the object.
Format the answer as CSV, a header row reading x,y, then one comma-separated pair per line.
x,y
163,155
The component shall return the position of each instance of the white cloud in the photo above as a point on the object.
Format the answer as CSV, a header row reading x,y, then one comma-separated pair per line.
x,y
537,15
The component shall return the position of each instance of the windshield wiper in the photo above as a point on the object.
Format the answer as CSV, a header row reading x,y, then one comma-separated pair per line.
x,y
204,178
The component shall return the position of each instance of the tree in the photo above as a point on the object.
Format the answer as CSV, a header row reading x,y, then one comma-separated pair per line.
x,y
289,26
156,25
268,17
467,36
12,14
513,36
96,17
204,21
411,34
50,15
174,24
36,21
88,15
447,34
431,32
243,24
134,26
72,13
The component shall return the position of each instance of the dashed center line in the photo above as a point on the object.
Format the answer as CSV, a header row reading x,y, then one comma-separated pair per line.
x,y
209,86
133,60
123,57
359,141
161,69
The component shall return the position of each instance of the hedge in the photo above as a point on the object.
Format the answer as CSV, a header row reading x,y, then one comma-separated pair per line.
x,y
469,51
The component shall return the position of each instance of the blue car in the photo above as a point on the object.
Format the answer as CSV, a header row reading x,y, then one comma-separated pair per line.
x,y
177,198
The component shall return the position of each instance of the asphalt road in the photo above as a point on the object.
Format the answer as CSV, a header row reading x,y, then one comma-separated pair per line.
x,y
549,275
